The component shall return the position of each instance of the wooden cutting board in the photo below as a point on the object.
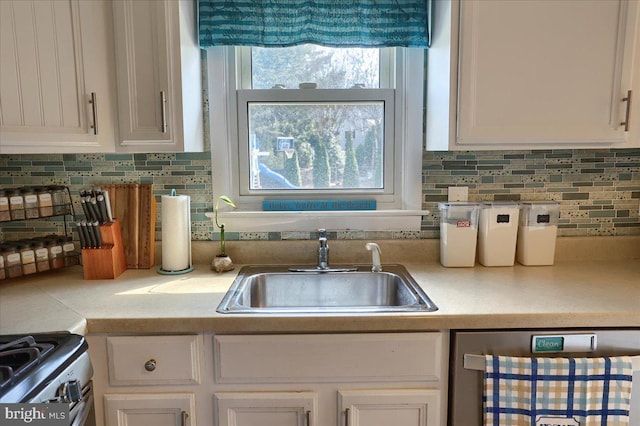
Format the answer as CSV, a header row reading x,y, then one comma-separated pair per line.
x,y
135,207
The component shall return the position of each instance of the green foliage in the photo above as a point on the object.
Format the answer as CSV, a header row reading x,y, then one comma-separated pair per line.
x,y
351,177
321,169
292,169
230,203
369,157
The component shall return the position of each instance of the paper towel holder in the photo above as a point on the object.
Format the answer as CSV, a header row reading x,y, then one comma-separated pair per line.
x,y
190,268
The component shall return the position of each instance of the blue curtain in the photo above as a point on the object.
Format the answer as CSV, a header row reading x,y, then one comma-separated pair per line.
x,y
338,23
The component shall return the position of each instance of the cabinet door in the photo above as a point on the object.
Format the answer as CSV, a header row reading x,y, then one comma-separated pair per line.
x,y
545,73
397,407
266,409
149,409
56,81
153,39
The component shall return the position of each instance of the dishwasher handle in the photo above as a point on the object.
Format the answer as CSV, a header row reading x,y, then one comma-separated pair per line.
x,y
478,362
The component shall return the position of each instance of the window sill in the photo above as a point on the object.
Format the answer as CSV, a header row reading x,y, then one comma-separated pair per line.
x,y
276,221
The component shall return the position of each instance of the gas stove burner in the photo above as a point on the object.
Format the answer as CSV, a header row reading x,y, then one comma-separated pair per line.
x,y
19,356
32,366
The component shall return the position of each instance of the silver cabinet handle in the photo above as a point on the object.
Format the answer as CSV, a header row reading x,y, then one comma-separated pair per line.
x,y
150,365
625,123
94,107
185,416
163,108
308,417
347,412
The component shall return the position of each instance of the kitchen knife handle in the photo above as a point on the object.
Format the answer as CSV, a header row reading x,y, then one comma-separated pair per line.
x,y
95,209
102,208
83,236
96,232
163,108
92,237
85,208
107,202
94,108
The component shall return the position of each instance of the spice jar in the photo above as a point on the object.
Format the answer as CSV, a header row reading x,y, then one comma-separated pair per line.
x,y
59,198
69,250
27,258
5,214
12,263
56,255
16,204
42,256
45,203
30,203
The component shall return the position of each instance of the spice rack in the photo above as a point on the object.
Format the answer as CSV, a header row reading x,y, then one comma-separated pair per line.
x,y
31,256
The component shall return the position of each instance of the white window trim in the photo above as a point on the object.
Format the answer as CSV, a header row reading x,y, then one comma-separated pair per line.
x,y
406,213
386,196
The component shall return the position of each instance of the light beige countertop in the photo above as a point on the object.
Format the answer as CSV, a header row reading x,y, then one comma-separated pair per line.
x,y
572,293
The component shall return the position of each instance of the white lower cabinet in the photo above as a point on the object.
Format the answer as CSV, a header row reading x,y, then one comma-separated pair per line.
x,y
152,409
375,379
397,407
350,379
266,408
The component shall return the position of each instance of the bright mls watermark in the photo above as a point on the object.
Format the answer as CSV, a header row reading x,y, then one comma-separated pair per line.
x,y
35,414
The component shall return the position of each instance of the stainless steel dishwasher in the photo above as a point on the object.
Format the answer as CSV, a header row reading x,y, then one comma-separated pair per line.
x,y
468,348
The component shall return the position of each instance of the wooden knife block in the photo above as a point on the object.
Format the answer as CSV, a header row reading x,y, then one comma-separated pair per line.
x,y
107,262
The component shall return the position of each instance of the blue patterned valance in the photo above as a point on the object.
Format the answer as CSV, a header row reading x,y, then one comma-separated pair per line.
x,y
338,23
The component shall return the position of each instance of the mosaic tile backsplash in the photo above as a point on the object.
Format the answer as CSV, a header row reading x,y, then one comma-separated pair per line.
x,y
598,190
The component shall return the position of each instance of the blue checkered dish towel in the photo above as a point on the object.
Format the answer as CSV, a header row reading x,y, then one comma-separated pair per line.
x,y
522,391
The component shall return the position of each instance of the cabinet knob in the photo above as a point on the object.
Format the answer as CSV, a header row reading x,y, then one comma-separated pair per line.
x,y
150,365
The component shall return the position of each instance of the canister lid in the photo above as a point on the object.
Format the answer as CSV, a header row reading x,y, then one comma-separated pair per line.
x,y
499,204
447,204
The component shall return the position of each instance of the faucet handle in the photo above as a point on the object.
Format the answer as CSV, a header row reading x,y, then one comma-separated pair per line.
x,y
322,233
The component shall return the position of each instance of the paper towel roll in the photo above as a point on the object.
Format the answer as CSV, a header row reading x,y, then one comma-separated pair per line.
x,y
176,232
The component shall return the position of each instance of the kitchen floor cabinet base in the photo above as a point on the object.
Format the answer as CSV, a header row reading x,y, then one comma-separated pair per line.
x,y
152,409
266,409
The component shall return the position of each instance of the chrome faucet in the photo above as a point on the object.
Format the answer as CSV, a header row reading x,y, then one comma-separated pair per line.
x,y
323,249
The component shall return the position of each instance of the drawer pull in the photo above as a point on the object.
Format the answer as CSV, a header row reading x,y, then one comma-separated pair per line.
x,y
346,416
185,416
150,365
308,417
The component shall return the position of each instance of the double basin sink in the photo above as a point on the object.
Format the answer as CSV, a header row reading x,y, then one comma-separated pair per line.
x,y
278,290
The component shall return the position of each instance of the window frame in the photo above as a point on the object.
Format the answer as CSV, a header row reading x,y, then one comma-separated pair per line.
x,y
398,211
311,96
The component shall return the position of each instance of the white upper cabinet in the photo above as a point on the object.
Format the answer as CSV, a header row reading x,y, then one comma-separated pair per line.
x,y
530,74
158,76
57,88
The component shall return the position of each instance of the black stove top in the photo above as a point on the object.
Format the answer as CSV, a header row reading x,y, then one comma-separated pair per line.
x,y
29,362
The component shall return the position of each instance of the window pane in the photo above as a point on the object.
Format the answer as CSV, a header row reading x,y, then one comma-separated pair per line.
x,y
311,146
328,67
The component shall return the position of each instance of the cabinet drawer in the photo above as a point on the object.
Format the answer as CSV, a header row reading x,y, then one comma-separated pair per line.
x,y
379,357
153,360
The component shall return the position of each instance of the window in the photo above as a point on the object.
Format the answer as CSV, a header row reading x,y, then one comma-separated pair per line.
x,y
311,122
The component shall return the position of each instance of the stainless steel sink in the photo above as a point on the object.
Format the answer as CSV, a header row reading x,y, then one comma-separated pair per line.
x,y
270,289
